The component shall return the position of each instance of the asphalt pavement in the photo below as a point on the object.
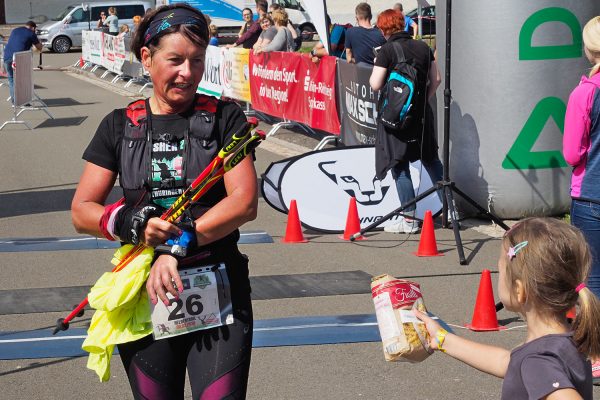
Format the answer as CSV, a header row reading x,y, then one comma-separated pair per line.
x,y
39,170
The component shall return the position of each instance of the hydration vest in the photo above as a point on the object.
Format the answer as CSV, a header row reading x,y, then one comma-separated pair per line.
x,y
200,148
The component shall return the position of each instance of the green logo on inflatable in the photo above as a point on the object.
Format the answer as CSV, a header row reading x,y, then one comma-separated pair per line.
x,y
553,14
520,155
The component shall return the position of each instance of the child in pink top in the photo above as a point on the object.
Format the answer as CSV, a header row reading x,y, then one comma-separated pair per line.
x,y
581,149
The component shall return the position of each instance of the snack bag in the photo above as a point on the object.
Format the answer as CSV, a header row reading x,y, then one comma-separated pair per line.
x,y
404,337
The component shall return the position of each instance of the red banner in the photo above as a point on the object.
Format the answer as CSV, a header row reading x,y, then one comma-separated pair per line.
x,y
291,86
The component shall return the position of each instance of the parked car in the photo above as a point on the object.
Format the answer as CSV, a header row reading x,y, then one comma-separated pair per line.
x,y
426,20
63,32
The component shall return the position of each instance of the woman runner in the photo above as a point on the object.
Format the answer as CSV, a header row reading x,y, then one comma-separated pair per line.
x,y
156,147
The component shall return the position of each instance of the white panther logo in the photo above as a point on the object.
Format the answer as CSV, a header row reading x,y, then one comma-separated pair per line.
x,y
363,186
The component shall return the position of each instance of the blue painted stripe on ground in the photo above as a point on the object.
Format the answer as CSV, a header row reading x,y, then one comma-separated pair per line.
x,y
10,245
293,331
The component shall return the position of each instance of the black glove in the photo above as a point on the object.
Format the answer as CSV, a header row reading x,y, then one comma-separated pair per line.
x,y
131,221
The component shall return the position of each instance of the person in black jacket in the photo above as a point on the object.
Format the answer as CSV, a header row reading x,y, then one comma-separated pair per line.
x,y
395,149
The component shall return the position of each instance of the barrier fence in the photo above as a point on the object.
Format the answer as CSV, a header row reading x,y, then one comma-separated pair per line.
x,y
283,85
24,97
112,53
23,78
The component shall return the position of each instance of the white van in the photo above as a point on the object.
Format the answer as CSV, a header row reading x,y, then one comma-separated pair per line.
x,y
63,32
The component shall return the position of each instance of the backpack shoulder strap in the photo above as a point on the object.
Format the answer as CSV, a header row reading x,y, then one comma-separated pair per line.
x,y
399,52
206,103
136,111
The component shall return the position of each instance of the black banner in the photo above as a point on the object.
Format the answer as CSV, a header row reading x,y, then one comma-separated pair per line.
x,y
357,103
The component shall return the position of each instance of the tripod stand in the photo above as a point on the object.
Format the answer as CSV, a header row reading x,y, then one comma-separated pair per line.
x,y
446,186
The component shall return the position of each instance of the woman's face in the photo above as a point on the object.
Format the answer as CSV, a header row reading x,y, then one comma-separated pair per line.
x,y
247,15
176,68
265,24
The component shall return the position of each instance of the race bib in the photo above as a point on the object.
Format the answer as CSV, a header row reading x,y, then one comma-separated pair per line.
x,y
205,303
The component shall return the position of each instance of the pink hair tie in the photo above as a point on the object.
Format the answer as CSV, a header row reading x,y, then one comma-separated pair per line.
x,y
579,287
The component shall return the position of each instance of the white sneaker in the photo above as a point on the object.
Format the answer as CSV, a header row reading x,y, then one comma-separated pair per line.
x,y
411,226
394,228
403,226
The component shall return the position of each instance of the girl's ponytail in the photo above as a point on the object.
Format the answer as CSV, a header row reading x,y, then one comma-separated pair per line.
x,y
585,327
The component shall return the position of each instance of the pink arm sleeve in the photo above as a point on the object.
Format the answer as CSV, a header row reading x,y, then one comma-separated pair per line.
x,y
577,124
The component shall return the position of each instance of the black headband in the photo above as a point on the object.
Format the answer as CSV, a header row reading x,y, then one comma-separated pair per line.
x,y
168,18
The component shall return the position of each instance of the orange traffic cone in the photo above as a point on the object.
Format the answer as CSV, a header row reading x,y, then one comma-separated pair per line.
x,y
293,230
427,244
352,222
81,62
484,315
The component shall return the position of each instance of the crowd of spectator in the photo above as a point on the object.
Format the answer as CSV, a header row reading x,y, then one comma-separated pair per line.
x,y
269,28
109,23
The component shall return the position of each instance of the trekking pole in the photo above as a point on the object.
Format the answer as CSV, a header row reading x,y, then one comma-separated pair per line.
x,y
238,148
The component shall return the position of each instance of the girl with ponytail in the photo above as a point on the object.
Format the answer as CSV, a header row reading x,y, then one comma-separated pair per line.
x,y
543,268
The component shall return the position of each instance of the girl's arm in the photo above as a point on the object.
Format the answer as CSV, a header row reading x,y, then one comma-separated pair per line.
x,y
490,359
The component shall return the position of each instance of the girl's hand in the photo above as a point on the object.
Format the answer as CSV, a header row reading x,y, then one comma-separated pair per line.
x,y
163,278
158,231
432,327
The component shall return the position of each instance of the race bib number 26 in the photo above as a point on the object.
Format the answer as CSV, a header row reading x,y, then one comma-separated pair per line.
x,y
197,308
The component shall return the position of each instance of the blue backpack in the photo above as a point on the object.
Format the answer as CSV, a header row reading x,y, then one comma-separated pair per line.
x,y
396,100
